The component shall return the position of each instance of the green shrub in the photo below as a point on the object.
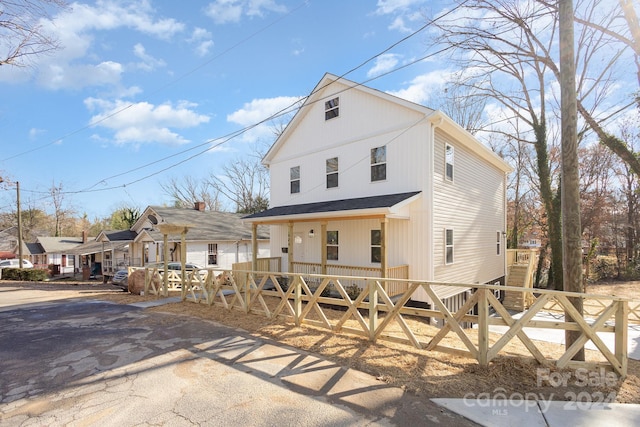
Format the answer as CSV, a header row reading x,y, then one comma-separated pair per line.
x,y
24,274
353,291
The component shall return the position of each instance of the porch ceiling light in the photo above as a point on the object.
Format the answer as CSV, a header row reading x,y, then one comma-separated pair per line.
x,y
311,233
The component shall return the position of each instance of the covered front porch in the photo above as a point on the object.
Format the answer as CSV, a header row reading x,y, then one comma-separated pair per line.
x,y
344,237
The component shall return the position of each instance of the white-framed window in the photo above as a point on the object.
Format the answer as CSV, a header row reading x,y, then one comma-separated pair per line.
x,y
376,246
379,163
498,242
448,162
448,246
331,108
294,177
212,254
332,172
332,245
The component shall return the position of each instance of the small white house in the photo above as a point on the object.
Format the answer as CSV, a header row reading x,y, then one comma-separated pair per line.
x,y
213,240
371,184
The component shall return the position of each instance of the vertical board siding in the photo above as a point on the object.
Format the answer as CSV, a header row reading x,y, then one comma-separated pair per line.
x,y
365,122
473,206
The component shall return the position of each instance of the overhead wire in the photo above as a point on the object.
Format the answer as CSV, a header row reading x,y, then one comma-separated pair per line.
x,y
226,138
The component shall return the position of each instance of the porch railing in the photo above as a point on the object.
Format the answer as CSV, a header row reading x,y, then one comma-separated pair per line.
x,y
357,272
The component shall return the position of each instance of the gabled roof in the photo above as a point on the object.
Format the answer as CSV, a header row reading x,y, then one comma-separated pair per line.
x,y
94,247
207,226
116,236
387,204
57,245
325,90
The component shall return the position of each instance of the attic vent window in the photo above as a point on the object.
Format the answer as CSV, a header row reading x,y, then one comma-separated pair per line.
x,y
331,109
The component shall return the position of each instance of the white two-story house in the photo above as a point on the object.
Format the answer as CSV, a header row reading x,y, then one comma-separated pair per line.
x,y
366,183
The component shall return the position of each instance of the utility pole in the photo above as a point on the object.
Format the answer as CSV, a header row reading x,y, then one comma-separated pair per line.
x,y
19,226
571,228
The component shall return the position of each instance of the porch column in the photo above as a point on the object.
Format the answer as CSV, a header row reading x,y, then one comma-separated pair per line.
x,y
323,246
254,246
183,260
165,273
290,247
383,246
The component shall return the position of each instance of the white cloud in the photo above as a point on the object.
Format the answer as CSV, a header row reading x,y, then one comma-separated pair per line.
x,y
386,7
75,28
423,87
383,64
258,110
202,39
149,63
224,11
143,122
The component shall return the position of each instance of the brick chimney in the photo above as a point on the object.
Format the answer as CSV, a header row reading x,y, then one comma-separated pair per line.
x,y
84,236
199,206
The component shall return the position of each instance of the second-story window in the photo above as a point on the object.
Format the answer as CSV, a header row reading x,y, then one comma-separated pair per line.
x,y
331,108
294,176
498,242
332,172
379,163
448,160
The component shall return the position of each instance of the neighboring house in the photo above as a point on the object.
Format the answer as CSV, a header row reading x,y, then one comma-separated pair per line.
x,y
57,252
365,183
213,240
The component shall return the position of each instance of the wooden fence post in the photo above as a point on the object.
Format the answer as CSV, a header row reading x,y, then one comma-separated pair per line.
x,y
247,291
483,327
622,330
373,309
297,302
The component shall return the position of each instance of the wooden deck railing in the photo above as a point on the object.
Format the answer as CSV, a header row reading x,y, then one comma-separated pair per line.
x,y
355,273
374,315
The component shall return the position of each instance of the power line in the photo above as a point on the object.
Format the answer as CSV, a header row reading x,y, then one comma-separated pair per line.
x,y
166,85
226,138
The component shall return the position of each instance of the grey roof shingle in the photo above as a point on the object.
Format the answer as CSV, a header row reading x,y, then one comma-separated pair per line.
x,y
208,225
372,202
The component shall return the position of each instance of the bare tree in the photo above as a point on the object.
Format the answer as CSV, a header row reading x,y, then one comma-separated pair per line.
x,y
22,34
62,212
464,105
246,183
187,190
508,51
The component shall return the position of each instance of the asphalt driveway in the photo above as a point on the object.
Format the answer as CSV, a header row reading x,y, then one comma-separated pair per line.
x,y
89,362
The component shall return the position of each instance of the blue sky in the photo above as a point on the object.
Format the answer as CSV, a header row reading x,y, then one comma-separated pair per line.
x,y
140,92
137,82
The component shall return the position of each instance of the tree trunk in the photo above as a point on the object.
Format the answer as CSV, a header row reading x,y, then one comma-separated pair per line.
x,y
571,228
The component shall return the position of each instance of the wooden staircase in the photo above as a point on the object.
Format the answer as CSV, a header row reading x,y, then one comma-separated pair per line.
x,y
520,274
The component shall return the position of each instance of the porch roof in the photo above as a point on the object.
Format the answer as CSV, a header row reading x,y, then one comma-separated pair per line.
x,y
371,206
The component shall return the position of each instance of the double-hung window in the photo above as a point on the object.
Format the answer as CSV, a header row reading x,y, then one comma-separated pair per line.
x,y
294,176
332,245
376,246
448,246
379,163
332,172
498,242
212,254
331,108
448,160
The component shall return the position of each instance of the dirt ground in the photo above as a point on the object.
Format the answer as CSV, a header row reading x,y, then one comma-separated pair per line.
x,y
426,373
